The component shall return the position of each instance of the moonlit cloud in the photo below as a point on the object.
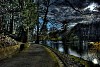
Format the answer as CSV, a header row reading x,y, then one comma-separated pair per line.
x,y
60,13
72,25
57,9
92,7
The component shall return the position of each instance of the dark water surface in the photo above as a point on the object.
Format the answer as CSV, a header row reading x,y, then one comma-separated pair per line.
x,y
81,51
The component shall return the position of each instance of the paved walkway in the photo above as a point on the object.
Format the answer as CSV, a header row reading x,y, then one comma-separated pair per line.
x,y
35,56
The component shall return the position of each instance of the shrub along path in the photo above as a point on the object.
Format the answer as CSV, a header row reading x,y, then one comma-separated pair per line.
x,y
34,56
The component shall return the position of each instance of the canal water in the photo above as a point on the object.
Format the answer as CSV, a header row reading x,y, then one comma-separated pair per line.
x,y
81,51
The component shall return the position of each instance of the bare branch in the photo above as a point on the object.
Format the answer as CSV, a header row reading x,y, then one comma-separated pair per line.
x,y
52,3
71,5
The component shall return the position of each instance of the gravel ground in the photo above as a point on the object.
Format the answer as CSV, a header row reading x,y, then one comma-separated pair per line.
x,y
35,56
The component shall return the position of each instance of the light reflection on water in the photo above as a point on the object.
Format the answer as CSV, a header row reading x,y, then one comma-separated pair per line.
x,y
71,52
61,48
95,61
85,53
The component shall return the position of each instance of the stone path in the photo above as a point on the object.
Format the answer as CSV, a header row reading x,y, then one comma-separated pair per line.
x,y
35,56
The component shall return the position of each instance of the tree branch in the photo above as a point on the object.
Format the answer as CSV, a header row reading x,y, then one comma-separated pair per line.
x,y
52,3
70,4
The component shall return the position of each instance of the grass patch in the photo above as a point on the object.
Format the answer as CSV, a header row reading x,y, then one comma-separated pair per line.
x,y
79,60
8,52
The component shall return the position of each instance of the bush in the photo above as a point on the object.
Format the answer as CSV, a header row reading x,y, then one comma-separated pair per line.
x,y
7,41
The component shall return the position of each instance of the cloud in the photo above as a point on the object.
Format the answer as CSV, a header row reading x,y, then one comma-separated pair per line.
x,y
92,7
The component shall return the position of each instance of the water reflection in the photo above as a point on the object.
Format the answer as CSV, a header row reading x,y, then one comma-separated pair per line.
x,y
72,52
61,48
95,61
56,45
82,51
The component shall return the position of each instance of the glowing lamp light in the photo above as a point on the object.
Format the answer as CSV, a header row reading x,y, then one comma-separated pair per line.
x,y
95,61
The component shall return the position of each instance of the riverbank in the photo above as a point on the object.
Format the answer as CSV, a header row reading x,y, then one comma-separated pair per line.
x,y
73,61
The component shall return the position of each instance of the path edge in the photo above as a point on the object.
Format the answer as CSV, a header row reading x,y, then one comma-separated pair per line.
x,y
54,56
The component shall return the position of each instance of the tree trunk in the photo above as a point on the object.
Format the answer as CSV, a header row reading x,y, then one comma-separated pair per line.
x,y
37,37
11,24
1,25
45,20
27,35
